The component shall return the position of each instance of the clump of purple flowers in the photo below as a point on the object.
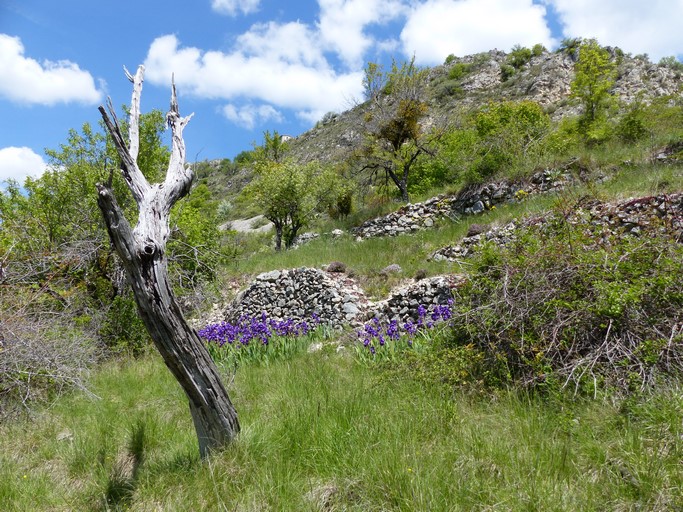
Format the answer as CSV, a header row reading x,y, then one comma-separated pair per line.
x,y
376,334
256,329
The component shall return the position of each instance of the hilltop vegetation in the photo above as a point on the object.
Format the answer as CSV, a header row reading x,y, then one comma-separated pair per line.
x,y
552,381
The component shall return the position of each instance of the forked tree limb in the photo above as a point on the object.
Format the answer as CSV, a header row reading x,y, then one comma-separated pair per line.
x,y
142,251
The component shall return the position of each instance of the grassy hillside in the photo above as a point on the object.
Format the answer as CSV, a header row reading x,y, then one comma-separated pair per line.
x,y
321,432
554,385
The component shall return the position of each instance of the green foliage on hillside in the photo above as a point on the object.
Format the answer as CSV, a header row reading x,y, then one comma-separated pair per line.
x,y
571,305
58,272
394,137
595,73
289,195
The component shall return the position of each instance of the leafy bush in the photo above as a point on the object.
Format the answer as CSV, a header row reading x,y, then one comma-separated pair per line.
x,y
122,329
509,132
519,56
506,72
449,88
459,70
632,127
538,49
571,305
671,62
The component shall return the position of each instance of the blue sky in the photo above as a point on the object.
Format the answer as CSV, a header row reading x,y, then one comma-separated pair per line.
x,y
245,66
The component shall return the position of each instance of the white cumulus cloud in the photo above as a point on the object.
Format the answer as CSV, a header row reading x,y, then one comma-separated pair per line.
x,y
343,23
25,80
280,65
231,7
436,28
248,116
18,163
653,27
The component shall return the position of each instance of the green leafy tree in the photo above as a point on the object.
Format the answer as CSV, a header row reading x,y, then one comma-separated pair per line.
x,y
508,133
274,147
194,247
289,195
395,138
595,74
52,234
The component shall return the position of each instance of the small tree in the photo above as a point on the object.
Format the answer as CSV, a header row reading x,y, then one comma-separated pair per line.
x,y
395,138
274,147
142,250
595,74
290,194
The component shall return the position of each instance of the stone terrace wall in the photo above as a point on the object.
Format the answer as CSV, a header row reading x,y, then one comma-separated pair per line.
x,y
334,297
402,304
298,294
635,217
472,201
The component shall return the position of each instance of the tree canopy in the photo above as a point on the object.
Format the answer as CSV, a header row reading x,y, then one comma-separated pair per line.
x,y
395,138
595,74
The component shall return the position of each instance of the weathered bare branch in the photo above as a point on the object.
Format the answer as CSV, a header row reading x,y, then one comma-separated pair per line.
x,y
134,122
142,251
137,183
179,178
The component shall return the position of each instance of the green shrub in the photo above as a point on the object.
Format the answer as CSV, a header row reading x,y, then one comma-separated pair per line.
x,y
632,127
572,305
449,88
519,56
538,49
671,62
506,72
122,329
459,70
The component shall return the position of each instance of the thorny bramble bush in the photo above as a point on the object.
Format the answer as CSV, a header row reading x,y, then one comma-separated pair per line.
x,y
573,305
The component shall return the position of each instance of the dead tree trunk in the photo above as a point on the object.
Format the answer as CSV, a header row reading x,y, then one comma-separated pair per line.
x,y
142,251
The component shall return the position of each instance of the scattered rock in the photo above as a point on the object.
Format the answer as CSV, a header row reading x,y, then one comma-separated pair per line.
x,y
476,229
336,266
394,268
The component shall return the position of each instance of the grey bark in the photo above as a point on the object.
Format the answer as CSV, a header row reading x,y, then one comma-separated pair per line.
x,y
142,251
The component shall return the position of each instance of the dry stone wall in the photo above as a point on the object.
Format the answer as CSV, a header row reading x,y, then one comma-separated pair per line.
x,y
299,294
472,201
662,213
305,293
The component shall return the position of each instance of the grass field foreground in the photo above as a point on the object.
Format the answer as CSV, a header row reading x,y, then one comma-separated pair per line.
x,y
322,432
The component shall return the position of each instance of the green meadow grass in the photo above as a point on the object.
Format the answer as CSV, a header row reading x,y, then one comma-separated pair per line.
x,y
367,258
322,432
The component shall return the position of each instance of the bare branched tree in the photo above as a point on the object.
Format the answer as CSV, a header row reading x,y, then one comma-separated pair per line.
x,y
142,251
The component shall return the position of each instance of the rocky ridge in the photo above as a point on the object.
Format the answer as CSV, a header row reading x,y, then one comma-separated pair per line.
x,y
546,78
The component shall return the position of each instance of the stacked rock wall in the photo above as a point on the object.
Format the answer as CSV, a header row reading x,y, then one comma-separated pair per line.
x,y
472,201
299,294
403,303
334,298
662,213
